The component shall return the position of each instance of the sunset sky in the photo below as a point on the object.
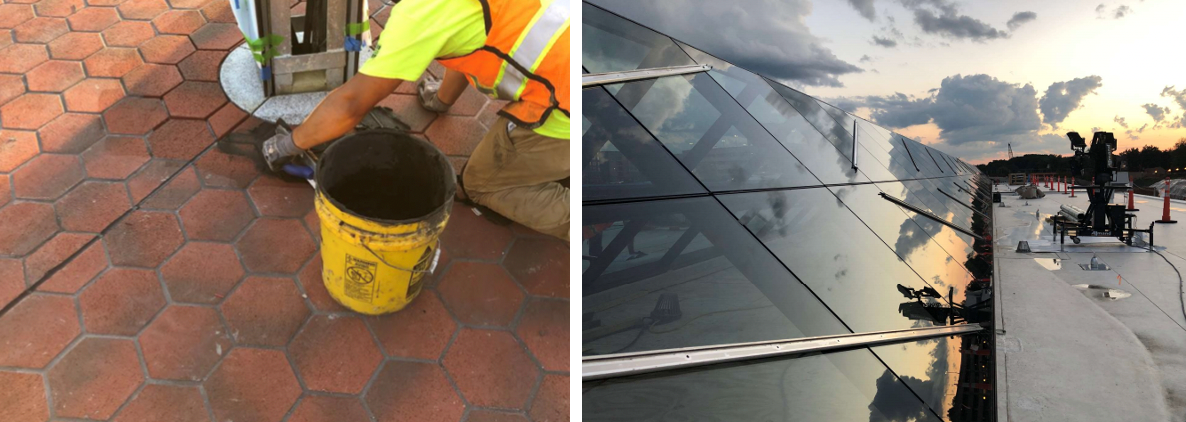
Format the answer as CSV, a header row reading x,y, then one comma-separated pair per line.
x,y
968,77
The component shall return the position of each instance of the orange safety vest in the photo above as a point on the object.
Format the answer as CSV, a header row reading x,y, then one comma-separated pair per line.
x,y
525,59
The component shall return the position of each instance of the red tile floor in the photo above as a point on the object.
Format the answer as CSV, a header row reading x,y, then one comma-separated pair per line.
x,y
147,275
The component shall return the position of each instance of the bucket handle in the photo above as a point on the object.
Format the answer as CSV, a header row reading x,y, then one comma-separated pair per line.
x,y
435,256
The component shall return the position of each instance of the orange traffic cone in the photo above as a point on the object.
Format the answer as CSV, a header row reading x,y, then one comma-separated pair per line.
x,y
1165,213
1072,187
1131,207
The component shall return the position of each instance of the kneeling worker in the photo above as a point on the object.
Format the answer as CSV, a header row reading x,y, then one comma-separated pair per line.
x,y
514,50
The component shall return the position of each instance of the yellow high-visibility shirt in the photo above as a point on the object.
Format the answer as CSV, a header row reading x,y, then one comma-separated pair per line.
x,y
419,31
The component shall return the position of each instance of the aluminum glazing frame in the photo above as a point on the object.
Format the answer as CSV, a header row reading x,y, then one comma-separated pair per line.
x,y
626,364
590,80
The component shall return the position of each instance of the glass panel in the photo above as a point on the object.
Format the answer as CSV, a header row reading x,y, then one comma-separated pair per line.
x,y
810,109
957,244
843,386
827,247
611,44
711,135
929,367
622,160
692,254
778,117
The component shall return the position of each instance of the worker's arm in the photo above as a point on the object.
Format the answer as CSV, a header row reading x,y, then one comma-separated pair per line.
x,y
452,86
343,108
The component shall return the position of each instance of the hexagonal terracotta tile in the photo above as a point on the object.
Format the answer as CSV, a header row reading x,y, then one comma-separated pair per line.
x,y
311,281
218,12
329,409
23,397
24,225
30,111
252,385
12,15
37,329
11,86
174,193
152,80
202,65
180,139
93,19
58,8
115,157
420,331
181,22
95,378
477,415
265,311
112,62
455,135
16,148
47,176
413,391
202,272
480,294
217,36
408,108
335,354
259,250
278,198
195,99
491,369
151,176
469,104
226,118
551,402
135,116
471,236
215,214
93,95
143,239
12,280
71,133
188,4
142,9
54,76
159,402
220,169
184,343
92,206
76,273
167,49
5,190
19,58
540,265
121,301
40,30
544,328
75,46
55,251
128,34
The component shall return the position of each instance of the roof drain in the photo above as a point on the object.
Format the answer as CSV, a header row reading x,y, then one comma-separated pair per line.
x,y
928,214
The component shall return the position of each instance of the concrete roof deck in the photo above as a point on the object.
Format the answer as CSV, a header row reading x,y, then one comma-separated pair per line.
x,y
149,273
1067,351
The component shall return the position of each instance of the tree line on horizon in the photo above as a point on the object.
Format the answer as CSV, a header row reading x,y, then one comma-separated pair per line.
x,y
1144,158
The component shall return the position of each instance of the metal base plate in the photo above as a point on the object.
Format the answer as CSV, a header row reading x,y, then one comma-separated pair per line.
x,y
239,76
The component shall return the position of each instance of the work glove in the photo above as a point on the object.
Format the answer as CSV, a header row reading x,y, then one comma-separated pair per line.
x,y
280,149
428,87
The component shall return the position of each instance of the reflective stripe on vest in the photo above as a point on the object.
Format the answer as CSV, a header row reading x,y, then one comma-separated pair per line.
x,y
548,24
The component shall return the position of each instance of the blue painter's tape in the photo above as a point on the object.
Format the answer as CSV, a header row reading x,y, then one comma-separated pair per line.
x,y
352,44
265,73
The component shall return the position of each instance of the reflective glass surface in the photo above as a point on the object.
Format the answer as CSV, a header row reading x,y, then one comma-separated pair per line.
x,y
622,160
693,253
711,134
843,386
833,252
811,110
774,113
612,44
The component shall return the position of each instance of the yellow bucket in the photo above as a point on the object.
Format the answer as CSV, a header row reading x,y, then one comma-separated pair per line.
x,y
383,198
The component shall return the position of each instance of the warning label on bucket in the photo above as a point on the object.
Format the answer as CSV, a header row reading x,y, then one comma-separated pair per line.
x,y
360,279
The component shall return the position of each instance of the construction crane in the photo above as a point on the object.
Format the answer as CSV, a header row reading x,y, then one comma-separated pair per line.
x,y
1010,151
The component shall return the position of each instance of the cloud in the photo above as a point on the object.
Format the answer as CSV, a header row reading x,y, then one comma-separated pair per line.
x,y
1142,128
1121,11
1155,111
866,59
884,42
1100,8
1120,121
741,33
941,17
1177,96
1019,19
1062,98
865,8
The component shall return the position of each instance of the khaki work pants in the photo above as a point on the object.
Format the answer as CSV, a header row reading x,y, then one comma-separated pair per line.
x,y
517,174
